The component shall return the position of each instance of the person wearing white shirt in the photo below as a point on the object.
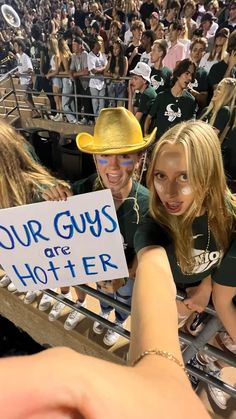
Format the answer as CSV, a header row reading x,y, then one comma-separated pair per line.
x,y
25,72
97,62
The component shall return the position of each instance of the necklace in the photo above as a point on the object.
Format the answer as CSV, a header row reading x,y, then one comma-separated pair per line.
x,y
205,251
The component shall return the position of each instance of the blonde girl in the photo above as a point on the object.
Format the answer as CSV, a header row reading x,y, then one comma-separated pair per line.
x,y
68,104
192,217
55,62
218,113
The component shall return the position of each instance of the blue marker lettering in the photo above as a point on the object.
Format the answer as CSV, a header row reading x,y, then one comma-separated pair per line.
x,y
36,230
28,238
53,268
71,266
23,277
114,224
68,228
81,229
97,221
105,259
87,265
11,244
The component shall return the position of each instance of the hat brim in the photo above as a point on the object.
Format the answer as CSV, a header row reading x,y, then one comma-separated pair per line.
x,y
137,74
85,143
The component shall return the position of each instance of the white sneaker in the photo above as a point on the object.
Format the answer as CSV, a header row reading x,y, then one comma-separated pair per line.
x,y
11,287
57,309
98,327
30,297
45,302
82,121
111,337
74,317
55,117
5,281
218,396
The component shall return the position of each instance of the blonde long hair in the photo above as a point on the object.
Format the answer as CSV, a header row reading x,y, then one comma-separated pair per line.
x,y
226,99
21,178
207,179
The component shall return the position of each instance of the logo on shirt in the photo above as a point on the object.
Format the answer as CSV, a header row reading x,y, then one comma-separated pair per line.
x,y
172,115
193,85
156,83
205,260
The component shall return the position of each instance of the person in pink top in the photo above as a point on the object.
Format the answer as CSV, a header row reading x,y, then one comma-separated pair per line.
x,y
176,51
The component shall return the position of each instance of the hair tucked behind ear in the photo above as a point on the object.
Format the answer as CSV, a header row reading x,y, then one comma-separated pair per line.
x,y
207,179
21,178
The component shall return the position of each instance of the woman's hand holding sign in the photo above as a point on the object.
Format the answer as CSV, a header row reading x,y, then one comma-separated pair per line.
x,y
57,193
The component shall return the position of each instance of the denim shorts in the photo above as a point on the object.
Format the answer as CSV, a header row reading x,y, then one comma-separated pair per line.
x,y
56,81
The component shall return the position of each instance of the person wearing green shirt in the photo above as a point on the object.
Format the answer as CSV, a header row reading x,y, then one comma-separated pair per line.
x,y
192,222
199,87
117,146
219,112
160,75
176,104
141,103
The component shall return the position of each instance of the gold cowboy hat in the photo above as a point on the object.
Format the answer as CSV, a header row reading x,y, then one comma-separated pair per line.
x,y
117,131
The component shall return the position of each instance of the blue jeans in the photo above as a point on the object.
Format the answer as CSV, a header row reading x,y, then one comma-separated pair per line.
x,y
124,295
68,103
116,90
98,104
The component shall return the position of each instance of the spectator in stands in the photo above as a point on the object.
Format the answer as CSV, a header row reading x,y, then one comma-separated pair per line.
x,y
225,67
218,52
154,21
53,72
230,23
184,38
199,87
160,31
117,155
148,37
114,32
132,17
78,69
187,187
117,66
25,73
146,9
135,49
176,51
68,103
160,75
176,104
141,104
41,53
97,62
188,12
209,25
172,13
219,112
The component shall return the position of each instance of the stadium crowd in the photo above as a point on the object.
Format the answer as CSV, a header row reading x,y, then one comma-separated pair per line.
x,y
161,63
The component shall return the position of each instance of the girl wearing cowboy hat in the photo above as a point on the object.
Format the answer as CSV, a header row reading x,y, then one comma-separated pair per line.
x,y
117,146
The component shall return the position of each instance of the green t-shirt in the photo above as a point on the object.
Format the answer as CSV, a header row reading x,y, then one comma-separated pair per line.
x,y
150,233
229,154
144,102
168,110
127,216
217,72
222,118
200,84
160,79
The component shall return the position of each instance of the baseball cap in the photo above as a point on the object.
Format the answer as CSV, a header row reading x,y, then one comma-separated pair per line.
x,y
143,70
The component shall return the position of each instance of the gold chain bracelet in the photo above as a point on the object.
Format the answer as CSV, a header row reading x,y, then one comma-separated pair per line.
x,y
158,352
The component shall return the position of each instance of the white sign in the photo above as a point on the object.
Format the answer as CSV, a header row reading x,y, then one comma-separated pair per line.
x,y
54,244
